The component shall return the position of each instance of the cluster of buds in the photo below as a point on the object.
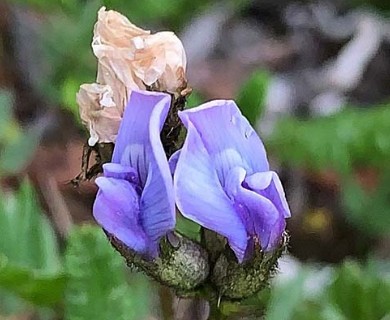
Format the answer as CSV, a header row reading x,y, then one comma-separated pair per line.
x,y
217,175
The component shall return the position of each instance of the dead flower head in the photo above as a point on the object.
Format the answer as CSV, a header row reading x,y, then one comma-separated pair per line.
x,y
129,58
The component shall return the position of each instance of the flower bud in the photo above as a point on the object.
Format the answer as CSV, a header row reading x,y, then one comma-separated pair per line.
x,y
235,280
182,265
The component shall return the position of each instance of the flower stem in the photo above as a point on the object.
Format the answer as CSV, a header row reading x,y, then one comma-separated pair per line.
x,y
194,309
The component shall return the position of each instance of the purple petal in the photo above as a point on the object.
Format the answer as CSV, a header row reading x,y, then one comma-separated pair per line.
x,y
268,184
134,144
200,196
116,170
260,216
139,164
268,224
233,182
173,161
116,209
228,137
157,200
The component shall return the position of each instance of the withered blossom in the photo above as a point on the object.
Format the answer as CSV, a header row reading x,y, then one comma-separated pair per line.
x,y
129,58
99,112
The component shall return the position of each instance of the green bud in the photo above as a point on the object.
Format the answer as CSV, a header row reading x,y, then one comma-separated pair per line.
x,y
182,264
235,280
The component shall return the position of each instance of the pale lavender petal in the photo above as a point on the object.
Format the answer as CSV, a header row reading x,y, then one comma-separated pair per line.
x,y
268,184
227,136
133,145
200,196
116,209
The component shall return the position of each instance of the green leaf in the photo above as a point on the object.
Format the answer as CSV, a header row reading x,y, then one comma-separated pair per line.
x,y
37,287
252,95
27,238
360,293
285,298
29,260
98,287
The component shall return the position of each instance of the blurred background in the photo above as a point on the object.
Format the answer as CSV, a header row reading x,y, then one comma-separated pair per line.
x,y
313,77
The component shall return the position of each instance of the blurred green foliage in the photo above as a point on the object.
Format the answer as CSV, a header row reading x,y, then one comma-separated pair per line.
x,y
98,287
17,146
370,211
344,142
350,139
252,94
358,292
66,40
284,299
30,265
90,281
172,15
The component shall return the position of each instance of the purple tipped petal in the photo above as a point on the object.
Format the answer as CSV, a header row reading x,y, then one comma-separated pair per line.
x,y
227,136
268,185
116,209
200,196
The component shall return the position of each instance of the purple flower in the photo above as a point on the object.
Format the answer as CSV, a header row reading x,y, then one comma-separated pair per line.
x,y
135,201
223,182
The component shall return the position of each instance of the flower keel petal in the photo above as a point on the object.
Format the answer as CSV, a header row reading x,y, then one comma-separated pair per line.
x,y
116,209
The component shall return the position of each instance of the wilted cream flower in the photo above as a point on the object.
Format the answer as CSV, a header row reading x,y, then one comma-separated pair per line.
x,y
99,112
129,58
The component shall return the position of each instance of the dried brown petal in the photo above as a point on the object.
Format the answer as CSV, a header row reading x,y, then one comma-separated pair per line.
x,y
99,112
129,58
